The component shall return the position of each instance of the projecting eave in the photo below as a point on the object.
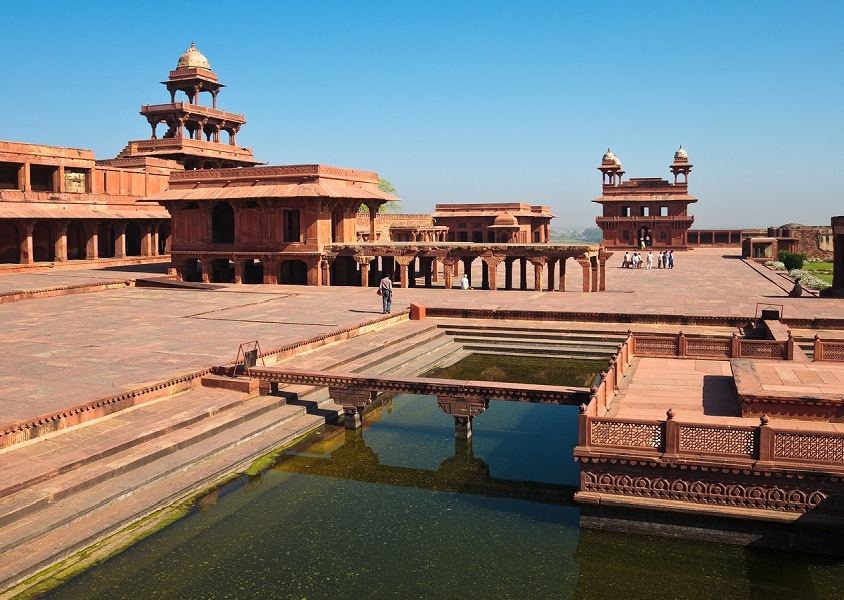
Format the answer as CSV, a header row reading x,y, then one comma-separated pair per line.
x,y
256,192
646,198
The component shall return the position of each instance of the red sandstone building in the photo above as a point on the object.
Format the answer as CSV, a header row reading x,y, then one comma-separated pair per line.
x,y
649,211
502,223
60,204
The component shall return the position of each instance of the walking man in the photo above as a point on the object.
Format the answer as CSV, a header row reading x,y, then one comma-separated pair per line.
x,y
386,289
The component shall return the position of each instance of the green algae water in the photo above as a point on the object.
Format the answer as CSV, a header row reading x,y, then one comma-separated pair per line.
x,y
401,510
577,372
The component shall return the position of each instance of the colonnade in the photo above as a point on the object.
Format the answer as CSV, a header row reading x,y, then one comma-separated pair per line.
x,y
60,240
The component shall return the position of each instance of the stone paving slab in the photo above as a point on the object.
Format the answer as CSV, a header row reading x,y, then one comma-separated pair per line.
x,y
63,351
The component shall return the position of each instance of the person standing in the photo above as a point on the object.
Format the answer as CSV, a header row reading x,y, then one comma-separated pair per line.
x,y
671,259
659,260
649,263
626,262
386,289
464,283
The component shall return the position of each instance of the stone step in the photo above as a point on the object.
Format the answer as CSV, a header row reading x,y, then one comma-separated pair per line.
x,y
368,347
33,498
241,384
55,454
29,553
596,343
540,330
547,350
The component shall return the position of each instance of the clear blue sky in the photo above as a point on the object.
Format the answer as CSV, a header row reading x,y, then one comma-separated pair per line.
x,y
469,102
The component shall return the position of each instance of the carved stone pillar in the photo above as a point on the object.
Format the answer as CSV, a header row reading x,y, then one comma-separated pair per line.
x,y
92,249
552,263
508,273
492,263
120,240
147,247
463,410
364,261
603,256
313,265
353,402
271,267
373,214
207,265
435,270
403,261
448,271
594,264
562,287
325,270
537,263
522,273
60,247
26,249
239,264
586,265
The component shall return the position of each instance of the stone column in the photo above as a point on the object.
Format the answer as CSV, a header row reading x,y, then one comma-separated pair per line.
x,y
147,244
373,214
434,270
60,247
552,263
239,265
120,240
271,267
325,270
206,269
26,250
523,273
508,273
562,287
594,262
427,264
492,263
448,271
403,261
537,263
364,261
92,249
603,257
353,402
586,265
463,410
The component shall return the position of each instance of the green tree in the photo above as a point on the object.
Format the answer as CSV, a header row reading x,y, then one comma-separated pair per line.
x,y
392,207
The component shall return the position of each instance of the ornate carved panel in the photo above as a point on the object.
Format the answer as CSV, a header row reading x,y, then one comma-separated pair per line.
x,y
717,439
757,349
809,446
656,345
752,493
638,435
708,347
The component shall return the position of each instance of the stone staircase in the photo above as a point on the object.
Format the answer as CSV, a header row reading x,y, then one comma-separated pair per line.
x,y
535,340
67,490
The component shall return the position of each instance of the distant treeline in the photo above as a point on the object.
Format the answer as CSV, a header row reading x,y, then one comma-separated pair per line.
x,y
589,234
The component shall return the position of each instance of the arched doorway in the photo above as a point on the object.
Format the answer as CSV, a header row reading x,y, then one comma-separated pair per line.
x,y
10,248
222,224
42,243
76,241
293,272
133,239
644,235
253,272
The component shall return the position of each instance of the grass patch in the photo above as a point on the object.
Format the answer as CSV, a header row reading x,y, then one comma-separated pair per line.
x,y
817,266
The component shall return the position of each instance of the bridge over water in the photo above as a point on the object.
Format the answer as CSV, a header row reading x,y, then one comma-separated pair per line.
x,y
462,399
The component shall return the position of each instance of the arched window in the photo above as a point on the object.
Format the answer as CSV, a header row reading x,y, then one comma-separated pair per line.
x,y
222,224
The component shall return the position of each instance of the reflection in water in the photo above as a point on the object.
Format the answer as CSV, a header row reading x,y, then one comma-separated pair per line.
x,y
401,510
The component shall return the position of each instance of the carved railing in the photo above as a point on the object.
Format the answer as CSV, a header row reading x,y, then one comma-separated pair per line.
x,y
681,346
604,391
829,350
723,445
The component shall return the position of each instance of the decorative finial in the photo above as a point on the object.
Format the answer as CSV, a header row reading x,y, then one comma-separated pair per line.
x,y
764,420
670,414
582,409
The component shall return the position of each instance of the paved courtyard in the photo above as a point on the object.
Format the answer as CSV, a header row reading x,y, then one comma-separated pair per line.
x,y
66,350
